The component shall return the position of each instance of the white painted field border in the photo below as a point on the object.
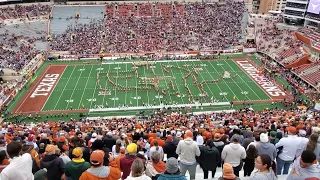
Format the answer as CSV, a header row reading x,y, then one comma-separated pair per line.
x,y
244,81
84,86
159,106
74,67
38,82
54,87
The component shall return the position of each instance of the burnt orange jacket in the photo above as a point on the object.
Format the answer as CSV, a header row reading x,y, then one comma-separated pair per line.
x,y
114,174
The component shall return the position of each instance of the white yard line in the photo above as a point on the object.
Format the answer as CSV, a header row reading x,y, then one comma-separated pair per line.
x,y
204,79
166,86
125,96
105,88
145,75
137,88
94,90
75,87
53,89
130,62
115,89
74,67
85,87
244,81
223,81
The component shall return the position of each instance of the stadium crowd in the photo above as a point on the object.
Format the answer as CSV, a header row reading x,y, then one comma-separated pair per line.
x,y
22,11
265,144
197,26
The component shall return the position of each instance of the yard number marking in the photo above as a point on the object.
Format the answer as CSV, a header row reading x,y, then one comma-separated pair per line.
x,y
69,100
99,69
114,99
81,69
223,93
117,68
244,92
136,97
219,64
160,96
92,100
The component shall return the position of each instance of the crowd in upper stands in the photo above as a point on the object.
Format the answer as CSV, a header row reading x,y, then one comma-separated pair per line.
x,y
177,27
264,143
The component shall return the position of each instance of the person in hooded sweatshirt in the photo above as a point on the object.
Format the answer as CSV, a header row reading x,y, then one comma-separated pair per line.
x,y
188,150
53,163
233,154
265,147
98,171
219,145
137,171
248,139
172,171
170,148
305,167
265,169
77,165
209,159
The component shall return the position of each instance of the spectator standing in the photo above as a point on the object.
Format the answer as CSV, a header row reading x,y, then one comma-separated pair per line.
x,y
77,165
209,158
265,168
122,155
126,162
252,154
237,131
157,148
170,148
51,161
4,162
20,167
137,171
109,141
116,148
233,154
227,173
314,145
155,166
219,145
188,150
304,141
305,167
248,139
264,147
290,146
99,172
256,140
273,137
172,171
64,154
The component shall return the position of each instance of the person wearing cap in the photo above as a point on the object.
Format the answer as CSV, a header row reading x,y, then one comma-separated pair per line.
x,y
219,145
233,154
172,171
93,138
227,173
126,162
305,167
31,142
77,165
188,150
290,148
53,163
304,141
109,141
209,159
98,171
20,166
265,147
273,137
170,148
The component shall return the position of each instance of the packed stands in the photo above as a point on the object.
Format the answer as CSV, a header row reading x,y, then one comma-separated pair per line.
x,y
24,11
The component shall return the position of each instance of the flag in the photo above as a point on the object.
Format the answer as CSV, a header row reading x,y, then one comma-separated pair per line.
x,y
234,97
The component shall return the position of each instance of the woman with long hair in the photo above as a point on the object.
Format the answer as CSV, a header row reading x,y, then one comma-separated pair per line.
x,y
137,171
252,154
116,148
313,140
265,169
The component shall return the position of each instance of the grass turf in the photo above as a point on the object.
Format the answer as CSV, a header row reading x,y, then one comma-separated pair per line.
x,y
78,85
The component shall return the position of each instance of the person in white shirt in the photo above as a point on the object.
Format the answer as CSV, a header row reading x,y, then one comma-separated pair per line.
x,y
233,153
20,167
157,148
291,146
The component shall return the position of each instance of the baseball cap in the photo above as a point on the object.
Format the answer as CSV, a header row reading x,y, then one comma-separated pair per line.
x,y
94,135
96,157
77,151
264,137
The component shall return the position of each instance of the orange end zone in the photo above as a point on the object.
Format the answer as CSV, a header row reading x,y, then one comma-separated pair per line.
x,y
40,91
271,87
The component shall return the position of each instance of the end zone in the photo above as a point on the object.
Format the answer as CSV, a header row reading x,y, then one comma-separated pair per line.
x,y
271,88
39,92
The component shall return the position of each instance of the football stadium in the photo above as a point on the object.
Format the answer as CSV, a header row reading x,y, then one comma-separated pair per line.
x,y
156,90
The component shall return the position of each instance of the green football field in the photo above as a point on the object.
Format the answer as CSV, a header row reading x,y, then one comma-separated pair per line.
x,y
116,84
